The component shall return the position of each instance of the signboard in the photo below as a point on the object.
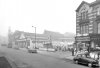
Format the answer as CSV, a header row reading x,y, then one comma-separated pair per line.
x,y
82,38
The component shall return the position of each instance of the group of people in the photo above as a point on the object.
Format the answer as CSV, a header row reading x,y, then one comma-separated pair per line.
x,y
60,48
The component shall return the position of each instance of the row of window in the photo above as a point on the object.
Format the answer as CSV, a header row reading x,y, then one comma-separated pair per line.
x,y
84,29
84,15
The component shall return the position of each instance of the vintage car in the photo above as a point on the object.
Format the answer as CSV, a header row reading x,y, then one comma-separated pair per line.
x,y
32,50
86,59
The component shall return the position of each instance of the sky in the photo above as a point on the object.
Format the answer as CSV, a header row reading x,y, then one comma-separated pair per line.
x,y
52,15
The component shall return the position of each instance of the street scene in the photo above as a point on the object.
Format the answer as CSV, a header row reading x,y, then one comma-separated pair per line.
x,y
50,34
23,59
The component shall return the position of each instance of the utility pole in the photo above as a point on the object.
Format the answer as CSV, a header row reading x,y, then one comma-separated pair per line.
x,y
50,41
35,36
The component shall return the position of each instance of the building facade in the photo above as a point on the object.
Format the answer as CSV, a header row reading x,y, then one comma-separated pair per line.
x,y
22,39
88,25
48,39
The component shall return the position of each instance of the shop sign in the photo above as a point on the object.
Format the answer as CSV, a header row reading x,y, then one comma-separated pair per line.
x,y
82,38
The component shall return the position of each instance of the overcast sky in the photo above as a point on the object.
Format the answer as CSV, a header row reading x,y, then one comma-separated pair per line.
x,y
53,15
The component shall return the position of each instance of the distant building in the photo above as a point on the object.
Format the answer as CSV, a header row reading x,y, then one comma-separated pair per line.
x,y
88,24
27,40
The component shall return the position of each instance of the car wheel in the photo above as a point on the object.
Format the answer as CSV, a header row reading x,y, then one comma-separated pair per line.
x,y
76,62
89,64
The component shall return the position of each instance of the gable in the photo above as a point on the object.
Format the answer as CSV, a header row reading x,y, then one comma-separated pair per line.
x,y
22,36
82,6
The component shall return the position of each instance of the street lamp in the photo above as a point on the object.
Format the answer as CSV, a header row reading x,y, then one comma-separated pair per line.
x,y
35,36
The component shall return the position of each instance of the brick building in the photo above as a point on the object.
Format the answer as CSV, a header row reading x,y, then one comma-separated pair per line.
x,y
88,25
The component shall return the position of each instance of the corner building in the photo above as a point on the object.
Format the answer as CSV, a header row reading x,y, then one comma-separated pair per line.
x,y
88,25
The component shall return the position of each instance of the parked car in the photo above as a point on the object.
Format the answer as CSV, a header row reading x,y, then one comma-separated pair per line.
x,y
3,44
9,45
32,50
86,59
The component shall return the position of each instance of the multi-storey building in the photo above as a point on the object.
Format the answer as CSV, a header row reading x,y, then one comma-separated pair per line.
x,y
88,24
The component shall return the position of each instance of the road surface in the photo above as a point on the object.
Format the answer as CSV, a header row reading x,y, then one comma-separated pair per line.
x,y
37,60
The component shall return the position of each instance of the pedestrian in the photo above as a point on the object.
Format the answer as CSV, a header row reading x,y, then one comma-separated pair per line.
x,y
72,51
75,51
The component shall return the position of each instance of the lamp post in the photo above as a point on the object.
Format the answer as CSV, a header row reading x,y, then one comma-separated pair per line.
x,y
35,36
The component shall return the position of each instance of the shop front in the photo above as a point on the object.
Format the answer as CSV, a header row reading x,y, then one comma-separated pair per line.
x,y
21,43
82,43
95,41
90,42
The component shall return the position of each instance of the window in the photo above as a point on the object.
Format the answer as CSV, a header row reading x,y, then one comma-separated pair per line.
x,y
81,30
84,15
99,28
98,11
84,29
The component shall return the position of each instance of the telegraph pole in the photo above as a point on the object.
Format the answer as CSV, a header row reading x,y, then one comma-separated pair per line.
x,y
35,36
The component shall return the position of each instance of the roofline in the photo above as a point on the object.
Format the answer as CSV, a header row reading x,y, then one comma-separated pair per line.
x,y
90,4
95,3
81,4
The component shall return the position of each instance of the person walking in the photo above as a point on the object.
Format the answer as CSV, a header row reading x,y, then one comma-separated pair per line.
x,y
72,51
